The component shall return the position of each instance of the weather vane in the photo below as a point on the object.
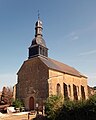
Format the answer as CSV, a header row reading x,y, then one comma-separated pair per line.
x,y
38,15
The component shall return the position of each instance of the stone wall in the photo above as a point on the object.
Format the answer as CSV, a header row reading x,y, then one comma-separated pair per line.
x,y
37,81
32,82
56,77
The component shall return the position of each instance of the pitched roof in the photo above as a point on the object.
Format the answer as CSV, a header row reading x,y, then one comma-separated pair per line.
x,y
58,66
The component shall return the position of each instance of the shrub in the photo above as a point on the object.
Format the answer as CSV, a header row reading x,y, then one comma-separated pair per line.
x,y
17,103
78,110
71,110
52,105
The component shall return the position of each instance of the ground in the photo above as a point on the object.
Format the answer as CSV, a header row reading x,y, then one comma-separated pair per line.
x,y
16,116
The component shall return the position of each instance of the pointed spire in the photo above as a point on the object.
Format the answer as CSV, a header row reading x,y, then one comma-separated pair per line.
x,y
38,26
38,15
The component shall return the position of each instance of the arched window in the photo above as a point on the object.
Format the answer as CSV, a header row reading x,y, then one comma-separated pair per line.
x,y
65,91
78,90
69,90
75,92
82,92
58,89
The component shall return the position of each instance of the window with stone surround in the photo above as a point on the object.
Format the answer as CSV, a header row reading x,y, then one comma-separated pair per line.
x,y
69,90
82,92
75,92
58,89
65,91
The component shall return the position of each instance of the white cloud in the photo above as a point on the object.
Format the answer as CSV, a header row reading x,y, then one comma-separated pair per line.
x,y
72,36
92,79
75,38
88,53
69,35
75,35
7,80
87,29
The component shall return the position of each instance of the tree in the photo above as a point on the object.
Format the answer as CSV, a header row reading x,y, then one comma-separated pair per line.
x,y
7,95
52,105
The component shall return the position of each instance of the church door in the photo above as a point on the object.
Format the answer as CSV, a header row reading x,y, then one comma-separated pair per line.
x,y
31,103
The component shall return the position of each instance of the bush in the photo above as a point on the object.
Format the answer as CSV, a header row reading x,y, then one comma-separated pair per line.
x,y
71,110
78,110
52,105
17,103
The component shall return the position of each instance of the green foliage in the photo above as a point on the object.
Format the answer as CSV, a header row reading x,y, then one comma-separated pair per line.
x,y
17,103
71,110
78,110
92,100
52,105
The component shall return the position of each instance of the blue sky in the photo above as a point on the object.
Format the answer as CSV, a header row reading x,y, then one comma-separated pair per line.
x,y
69,29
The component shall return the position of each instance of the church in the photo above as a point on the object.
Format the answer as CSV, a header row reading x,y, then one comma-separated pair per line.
x,y
41,76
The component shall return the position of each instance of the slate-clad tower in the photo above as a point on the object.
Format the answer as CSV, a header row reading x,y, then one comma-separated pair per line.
x,y
38,46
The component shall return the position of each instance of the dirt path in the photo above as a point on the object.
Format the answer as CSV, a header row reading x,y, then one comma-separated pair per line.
x,y
16,117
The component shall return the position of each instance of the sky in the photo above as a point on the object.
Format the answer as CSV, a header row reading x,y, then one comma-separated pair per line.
x,y
69,29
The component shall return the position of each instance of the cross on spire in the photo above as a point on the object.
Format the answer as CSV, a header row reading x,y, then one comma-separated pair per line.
x,y
38,15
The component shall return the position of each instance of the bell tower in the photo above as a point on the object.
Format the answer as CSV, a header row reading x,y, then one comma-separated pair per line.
x,y
38,45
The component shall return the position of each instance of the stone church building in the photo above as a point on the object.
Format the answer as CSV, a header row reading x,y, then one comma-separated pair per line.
x,y
40,76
